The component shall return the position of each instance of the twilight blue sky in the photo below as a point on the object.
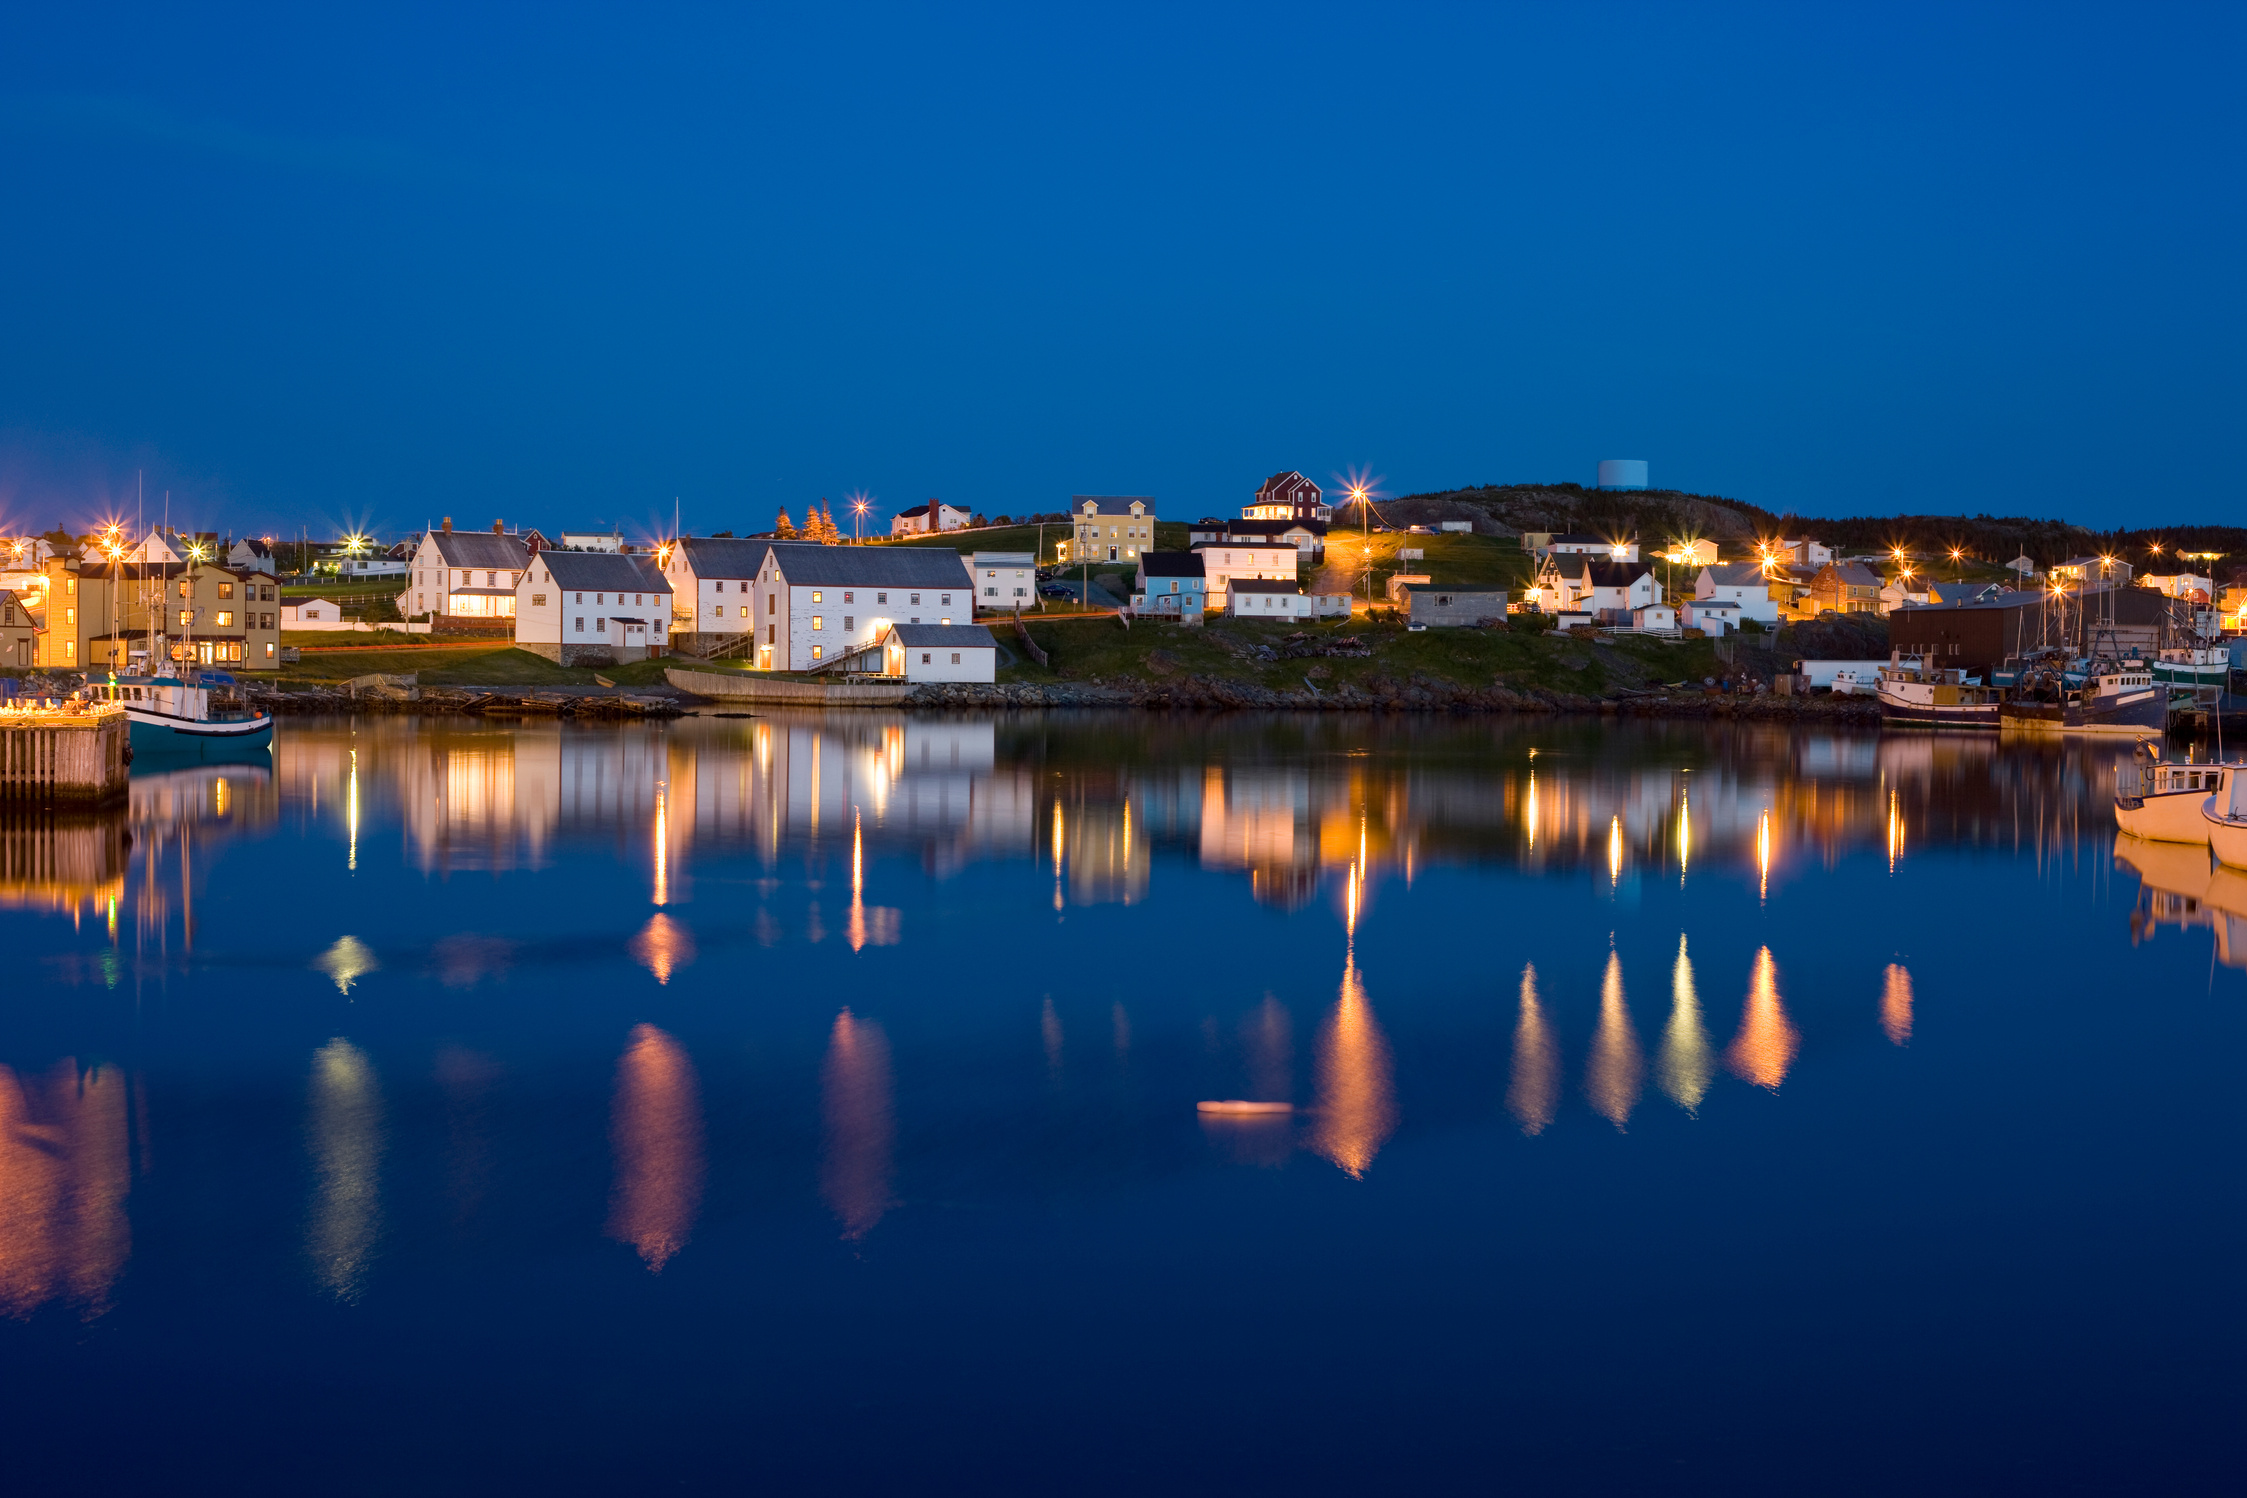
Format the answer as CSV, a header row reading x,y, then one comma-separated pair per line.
x,y
311,265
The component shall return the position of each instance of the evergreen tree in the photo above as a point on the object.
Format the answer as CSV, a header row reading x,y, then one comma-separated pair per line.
x,y
829,532
785,529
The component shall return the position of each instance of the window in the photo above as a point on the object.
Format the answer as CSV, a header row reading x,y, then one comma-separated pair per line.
x,y
815,652
815,595
538,600
815,622
604,598
600,626
581,598
849,624
881,598
721,587
771,599
269,650
226,590
769,632
745,611
916,598
990,592
946,600
850,597
635,600
924,657
944,621
225,619
955,657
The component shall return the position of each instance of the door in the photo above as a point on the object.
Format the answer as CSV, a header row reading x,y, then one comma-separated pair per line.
x,y
1111,553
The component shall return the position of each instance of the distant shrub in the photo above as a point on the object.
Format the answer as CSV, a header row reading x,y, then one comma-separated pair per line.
x,y
1529,622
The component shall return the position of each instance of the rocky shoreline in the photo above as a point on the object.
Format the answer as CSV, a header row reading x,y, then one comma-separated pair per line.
x,y
1417,695
1201,693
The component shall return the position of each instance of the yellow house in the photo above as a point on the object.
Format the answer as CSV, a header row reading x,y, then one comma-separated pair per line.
x,y
138,616
1110,528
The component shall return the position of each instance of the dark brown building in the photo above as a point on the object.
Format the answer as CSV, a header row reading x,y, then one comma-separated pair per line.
x,y
1979,636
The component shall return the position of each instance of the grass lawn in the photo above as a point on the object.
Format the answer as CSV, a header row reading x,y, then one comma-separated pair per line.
x,y
1085,648
1170,535
384,587
1450,558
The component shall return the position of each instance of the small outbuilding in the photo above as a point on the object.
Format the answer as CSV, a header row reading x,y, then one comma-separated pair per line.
x,y
1267,598
1454,603
1711,616
310,613
940,652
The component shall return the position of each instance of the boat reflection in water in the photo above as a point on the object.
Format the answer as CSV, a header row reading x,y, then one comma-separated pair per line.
x,y
2181,885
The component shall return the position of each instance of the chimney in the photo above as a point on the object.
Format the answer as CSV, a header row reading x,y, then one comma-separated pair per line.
x,y
448,525
499,527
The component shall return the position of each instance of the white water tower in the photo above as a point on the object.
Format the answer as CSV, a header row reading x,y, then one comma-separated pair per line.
x,y
1622,473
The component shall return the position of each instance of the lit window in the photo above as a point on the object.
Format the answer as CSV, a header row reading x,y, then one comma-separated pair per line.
x,y
745,611
815,595
815,652
815,624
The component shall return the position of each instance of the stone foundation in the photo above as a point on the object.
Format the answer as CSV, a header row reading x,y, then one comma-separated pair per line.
x,y
585,655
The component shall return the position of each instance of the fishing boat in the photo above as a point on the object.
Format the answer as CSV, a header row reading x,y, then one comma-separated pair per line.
x,y
1916,695
2161,800
197,718
2226,816
2194,666
2055,696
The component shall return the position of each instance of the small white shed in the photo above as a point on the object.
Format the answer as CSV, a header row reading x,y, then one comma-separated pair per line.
x,y
310,613
940,652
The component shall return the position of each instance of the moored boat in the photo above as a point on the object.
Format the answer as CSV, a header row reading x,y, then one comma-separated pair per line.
x,y
2162,800
1917,695
176,719
2104,698
2194,666
2226,816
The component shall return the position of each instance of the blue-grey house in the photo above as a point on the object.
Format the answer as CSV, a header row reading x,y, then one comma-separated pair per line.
x,y
1170,582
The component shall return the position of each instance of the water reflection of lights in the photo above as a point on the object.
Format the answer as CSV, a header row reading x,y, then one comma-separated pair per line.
x,y
65,1173
662,846
1686,1062
663,946
655,1131
1618,1066
860,1128
346,1143
1763,856
1896,1004
1615,851
1895,832
1765,1047
351,815
1049,1035
1357,1098
345,963
1534,1094
1684,833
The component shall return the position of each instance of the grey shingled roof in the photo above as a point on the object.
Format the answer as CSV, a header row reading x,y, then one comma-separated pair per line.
x,y
723,556
609,571
1736,574
948,636
1172,564
481,549
810,564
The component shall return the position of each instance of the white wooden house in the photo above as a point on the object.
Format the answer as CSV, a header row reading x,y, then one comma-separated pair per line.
x,y
1223,561
1005,581
940,652
709,577
810,603
1744,584
465,577
592,606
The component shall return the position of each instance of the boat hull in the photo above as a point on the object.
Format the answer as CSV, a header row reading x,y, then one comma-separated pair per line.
x,y
162,738
2139,714
2173,817
1980,716
2227,838
2192,676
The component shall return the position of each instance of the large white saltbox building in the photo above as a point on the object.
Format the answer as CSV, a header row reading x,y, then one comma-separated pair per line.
x,y
810,603
592,607
1222,561
709,578
465,578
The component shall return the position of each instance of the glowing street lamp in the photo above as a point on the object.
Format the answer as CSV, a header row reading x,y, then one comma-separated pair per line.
x,y
858,508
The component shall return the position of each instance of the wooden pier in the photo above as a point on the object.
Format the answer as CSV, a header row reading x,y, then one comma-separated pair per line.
x,y
72,755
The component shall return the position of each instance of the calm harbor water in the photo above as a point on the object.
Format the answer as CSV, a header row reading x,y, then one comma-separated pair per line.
x,y
811,1103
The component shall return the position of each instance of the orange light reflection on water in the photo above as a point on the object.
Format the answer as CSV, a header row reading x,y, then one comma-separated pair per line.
x,y
655,1131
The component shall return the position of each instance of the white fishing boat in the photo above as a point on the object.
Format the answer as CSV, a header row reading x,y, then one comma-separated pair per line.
x,y
2194,666
2226,816
2162,799
191,719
